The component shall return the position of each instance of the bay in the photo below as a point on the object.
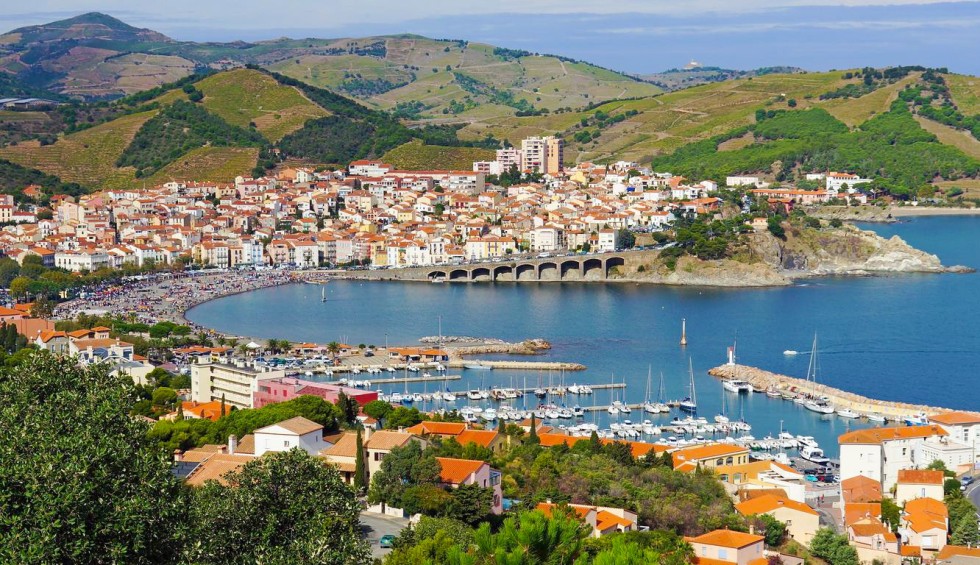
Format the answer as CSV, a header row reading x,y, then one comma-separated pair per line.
x,y
912,338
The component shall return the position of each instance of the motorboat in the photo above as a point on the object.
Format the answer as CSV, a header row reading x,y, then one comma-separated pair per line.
x,y
477,367
449,397
578,412
737,386
848,413
917,420
791,352
771,392
540,392
876,418
814,455
614,410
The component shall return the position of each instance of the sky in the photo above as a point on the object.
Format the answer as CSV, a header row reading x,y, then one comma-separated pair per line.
x,y
635,36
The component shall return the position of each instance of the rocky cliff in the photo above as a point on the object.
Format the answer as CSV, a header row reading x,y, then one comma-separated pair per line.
x,y
765,260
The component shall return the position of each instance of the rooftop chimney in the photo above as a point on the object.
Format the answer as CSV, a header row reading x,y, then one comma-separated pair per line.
x,y
232,444
178,456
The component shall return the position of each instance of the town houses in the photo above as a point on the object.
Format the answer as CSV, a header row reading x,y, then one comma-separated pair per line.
x,y
371,213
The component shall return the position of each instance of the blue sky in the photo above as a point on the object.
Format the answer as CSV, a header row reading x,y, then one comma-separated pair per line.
x,y
636,36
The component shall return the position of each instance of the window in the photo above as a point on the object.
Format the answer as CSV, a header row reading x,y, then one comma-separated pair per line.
x,y
722,554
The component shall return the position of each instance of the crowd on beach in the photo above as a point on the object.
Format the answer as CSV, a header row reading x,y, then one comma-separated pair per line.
x,y
167,296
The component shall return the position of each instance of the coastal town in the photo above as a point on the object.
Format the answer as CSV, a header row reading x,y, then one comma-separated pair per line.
x,y
373,215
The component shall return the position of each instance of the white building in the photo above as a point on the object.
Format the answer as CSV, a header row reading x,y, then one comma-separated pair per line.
x,y
290,434
836,181
233,382
608,240
880,453
81,260
963,427
742,181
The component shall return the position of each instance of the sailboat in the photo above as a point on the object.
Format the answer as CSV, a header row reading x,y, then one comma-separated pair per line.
x,y
722,418
814,404
690,404
661,404
323,294
649,406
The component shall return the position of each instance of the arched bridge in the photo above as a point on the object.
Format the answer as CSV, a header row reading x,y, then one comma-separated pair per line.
x,y
569,268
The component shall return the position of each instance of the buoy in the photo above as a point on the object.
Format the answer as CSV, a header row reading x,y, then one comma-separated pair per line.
x,y
683,332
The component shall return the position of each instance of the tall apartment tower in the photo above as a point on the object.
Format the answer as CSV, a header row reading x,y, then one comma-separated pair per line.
x,y
543,154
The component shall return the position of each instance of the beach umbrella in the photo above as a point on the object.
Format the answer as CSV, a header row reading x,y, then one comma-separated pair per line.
x,y
252,345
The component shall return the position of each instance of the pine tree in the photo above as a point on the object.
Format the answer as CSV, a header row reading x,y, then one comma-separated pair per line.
x,y
222,405
965,532
360,477
533,437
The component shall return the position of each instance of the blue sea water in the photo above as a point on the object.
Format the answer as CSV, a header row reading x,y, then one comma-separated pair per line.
x,y
912,338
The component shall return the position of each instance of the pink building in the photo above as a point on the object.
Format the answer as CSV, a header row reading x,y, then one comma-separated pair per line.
x,y
287,388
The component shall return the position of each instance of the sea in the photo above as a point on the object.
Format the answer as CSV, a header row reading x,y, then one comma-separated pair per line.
x,y
909,337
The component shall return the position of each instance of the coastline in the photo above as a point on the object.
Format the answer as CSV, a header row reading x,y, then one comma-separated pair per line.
x,y
886,215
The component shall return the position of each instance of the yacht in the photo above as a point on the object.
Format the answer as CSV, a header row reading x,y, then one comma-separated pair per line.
x,y
819,406
578,412
814,455
737,386
876,418
848,413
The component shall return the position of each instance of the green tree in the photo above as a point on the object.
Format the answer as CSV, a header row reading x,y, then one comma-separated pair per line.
x,y
348,408
774,530
891,514
81,481
470,504
378,409
776,227
403,417
360,472
285,507
966,531
532,538
833,548
627,240
19,287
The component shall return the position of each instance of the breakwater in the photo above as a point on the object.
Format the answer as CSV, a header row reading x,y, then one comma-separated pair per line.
x,y
760,378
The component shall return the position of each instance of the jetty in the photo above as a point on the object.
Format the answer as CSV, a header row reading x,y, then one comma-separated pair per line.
x,y
531,365
762,379
432,379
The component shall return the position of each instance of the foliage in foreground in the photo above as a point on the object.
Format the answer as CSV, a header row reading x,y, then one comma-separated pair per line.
x,y
81,482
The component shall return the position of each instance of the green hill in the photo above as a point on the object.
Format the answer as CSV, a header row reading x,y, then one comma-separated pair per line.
x,y
416,155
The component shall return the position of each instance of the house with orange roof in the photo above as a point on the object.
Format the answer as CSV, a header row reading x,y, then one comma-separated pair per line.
x,y
724,547
925,523
343,455
709,456
963,427
764,475
455,473
462,433
880,453
53,341
856,493
11,314
958,555
802,522
602,519
205,410
873,540
919,483
380,443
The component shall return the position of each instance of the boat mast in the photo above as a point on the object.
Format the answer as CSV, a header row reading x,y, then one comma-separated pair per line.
x,y
694,393
662,392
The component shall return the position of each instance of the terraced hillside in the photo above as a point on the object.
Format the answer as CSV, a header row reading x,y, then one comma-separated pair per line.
x,y
416,155
245,96
217,164
458,79
87,157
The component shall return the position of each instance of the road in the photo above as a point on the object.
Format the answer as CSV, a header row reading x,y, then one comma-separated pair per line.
x,y
373,526
973,493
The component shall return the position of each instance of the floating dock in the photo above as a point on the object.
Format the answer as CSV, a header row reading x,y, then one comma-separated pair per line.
x,y
518,365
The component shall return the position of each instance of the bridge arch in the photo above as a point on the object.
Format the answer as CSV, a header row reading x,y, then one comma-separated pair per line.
x,y
614,263
503,273
436,275
459,275
592,268
480,274
570,269
548,271
526,272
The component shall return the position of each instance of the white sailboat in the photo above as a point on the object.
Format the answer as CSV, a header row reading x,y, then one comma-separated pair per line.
x,y
661,404
815,404
649,406
722,418
323,294
690,404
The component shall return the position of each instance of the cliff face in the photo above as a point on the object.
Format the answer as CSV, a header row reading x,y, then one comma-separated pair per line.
x,y
768,261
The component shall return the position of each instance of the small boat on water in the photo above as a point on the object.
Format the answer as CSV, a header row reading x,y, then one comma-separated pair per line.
x,y
771,392
818,405
477,367
737,386
848,413
690,404
876,418
791,352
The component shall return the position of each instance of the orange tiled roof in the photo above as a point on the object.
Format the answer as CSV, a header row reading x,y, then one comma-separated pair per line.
x,y
709,451
769,503
949,551
385,440
214,468
483,438
437,428
727,538
879,435
456,471
860,489
956,418
920,477
857,511
580,510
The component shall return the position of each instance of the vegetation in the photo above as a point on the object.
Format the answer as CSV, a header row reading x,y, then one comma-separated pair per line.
x,y
891,146
833,548
177,129
416,155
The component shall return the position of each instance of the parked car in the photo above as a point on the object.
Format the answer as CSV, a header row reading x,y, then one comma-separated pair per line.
x,y
387,541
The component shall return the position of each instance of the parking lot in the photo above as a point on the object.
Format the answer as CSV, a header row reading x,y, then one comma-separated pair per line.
x,y
374,526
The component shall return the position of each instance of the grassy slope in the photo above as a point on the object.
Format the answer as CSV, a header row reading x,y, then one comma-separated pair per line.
x,y
855,111
558,83
963,140
415,155
242,96
966,93
87,157
217,164
667,121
